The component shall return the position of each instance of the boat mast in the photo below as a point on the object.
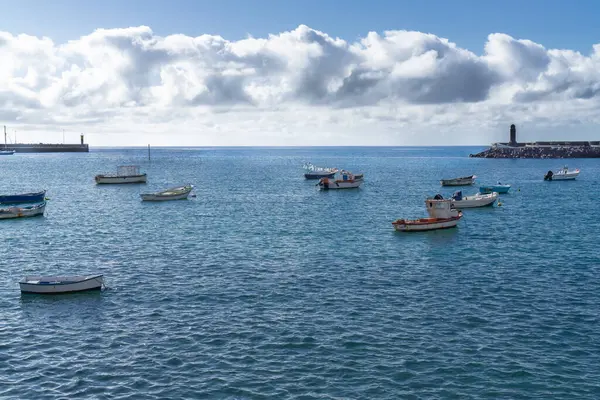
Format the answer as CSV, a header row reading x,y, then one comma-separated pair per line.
x,y
4,137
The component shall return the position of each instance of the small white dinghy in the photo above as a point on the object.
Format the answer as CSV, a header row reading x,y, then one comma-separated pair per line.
x,y
477,200
176,193
442,215
23,211
60,284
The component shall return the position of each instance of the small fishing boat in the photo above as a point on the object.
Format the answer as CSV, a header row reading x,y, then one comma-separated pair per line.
x,y
35,197
498,188
562,174
23,212
477,200
346,180
125,174
61,284
176,193
463,181
442,215
313,172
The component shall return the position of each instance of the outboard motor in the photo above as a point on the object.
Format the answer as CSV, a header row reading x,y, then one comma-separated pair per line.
x,y
548,176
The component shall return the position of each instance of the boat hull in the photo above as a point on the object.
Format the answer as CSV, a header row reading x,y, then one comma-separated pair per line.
x,y
23,198
316,175
7,152
60,285
484,200
22,212
335,185
500,189
115,179
425,224
565,177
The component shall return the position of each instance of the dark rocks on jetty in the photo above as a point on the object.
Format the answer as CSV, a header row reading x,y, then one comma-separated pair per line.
x,y
513,149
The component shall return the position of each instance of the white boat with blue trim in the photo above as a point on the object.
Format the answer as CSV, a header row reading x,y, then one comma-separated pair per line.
x,y
346,180
61,284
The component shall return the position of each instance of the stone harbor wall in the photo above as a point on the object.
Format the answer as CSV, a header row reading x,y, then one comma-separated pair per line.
x,y
540,152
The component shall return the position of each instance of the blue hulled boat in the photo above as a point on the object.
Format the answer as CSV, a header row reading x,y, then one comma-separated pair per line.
x,y
36,197
498,188
313,172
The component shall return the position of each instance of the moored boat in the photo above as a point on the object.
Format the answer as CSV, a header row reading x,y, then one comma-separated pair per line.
x,y
35,197
498,188
23,211
346,180
176,193
60,284
125,174
442,215
314,172
477,200
562,174
462,181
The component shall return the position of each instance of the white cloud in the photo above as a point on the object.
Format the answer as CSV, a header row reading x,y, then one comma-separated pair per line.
x,y
130,86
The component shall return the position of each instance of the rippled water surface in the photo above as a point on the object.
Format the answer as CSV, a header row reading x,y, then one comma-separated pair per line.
x,y
264,287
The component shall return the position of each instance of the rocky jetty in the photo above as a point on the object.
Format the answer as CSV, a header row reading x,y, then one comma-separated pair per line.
x,y
514,149
540,152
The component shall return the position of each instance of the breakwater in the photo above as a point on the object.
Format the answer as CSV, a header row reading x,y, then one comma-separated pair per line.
x,y
49,148
540,152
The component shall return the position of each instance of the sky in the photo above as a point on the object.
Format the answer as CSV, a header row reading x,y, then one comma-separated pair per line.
x,y
291,73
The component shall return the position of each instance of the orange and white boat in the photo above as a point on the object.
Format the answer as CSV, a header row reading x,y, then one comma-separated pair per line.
x,y
346,180
442,215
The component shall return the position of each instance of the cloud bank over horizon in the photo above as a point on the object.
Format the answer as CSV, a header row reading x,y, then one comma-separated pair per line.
x,y
301,87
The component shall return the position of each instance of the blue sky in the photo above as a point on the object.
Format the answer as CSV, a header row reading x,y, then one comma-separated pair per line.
x,y
555,24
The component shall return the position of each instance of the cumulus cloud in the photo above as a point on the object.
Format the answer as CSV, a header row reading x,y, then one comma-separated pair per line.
x,y
390,80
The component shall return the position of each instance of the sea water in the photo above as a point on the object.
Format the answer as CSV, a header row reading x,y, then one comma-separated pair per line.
x,y
262,286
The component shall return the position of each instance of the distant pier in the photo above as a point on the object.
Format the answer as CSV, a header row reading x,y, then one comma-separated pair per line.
x,y
47,147
514,149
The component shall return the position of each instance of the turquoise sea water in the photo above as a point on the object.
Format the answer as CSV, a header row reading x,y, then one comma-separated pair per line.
x,y
264,287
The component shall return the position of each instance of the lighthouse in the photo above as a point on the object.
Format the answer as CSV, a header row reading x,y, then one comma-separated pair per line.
x,y
513,135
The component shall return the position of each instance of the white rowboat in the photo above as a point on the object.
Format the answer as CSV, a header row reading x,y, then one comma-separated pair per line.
x,y
60,284
176,193
23,212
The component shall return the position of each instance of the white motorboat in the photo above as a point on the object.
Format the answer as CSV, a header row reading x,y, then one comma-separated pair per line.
x,y
125,174
477,200
23,211
176,193
462,181
562,174
346,180
442,215
60,284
